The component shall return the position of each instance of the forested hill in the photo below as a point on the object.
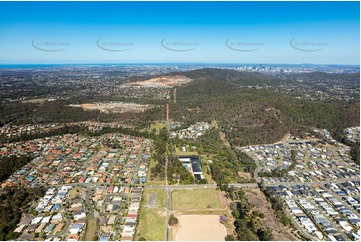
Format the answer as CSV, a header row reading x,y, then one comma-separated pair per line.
x,y
232,76
251,115
345,77
220,74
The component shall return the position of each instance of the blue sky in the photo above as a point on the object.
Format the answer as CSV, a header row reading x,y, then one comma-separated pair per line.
x,y
257,32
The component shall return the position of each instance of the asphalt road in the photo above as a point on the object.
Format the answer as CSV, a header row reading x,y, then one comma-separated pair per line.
x,y
242,185
311,183
65,229
199,186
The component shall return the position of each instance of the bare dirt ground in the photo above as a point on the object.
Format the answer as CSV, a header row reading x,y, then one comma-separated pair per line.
x,y
152,200
164,81
226,202
244,175
280,232
200,228
284,138
113,107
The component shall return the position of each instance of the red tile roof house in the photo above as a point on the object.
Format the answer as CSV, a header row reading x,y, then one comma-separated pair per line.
x,y
110,190
8,184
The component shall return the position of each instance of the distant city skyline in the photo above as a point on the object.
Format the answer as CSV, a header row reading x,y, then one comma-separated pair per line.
x,y
180,32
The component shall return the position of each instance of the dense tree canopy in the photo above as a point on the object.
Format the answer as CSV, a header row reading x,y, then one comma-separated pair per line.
x,y
13,202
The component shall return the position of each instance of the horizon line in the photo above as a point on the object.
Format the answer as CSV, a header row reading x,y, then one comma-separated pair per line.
x,y
189,63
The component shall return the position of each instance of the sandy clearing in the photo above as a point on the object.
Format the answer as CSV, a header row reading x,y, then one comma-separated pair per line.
x,y
113,107
200,228
164,81
244,175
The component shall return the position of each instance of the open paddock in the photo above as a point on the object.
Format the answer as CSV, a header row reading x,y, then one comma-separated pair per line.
x,y
113,107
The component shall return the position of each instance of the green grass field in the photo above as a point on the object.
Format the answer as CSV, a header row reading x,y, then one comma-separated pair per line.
x,y
151,225
178,151
157,125
37,100
91,229
161,197
152,220
197,199
77,191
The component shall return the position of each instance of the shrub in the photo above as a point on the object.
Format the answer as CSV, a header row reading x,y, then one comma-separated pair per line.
x,y
172,220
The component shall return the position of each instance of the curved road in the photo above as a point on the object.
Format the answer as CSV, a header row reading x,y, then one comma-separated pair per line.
x,y
65,229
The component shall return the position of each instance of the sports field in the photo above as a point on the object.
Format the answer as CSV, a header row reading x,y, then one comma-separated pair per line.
x,y
198,212
197,199
200,228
